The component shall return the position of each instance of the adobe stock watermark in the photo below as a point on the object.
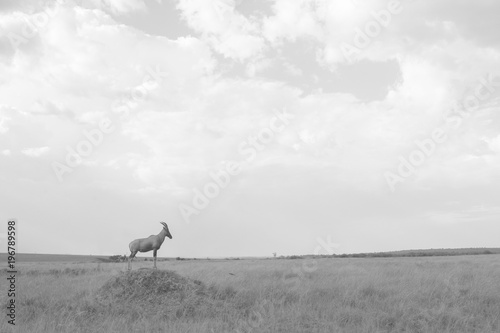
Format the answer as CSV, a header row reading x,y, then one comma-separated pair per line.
x,y
39,21
263,310
426,147
95,137
151,81
298,273
364,36
84,148
458,283
34,25
221,178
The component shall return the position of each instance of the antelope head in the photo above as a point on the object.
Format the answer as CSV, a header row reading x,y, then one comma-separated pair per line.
x,y
165,227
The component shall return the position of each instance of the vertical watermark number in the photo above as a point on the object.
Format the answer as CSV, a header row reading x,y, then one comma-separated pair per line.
x,y
11,271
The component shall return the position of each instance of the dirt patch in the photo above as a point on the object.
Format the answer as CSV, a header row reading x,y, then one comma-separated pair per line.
x,y
159,292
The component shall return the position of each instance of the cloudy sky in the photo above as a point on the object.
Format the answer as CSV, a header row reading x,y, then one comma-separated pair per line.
x,y
250,126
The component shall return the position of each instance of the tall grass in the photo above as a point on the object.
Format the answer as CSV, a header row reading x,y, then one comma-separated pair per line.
x,y
449,294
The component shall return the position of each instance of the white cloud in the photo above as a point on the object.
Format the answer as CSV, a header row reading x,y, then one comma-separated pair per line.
x,y
216,89
3,124
35,152
292,20
494,144
473,214
116,7
227,31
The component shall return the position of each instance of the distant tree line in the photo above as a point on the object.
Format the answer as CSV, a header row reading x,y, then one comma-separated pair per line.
x,y
396,254
410,253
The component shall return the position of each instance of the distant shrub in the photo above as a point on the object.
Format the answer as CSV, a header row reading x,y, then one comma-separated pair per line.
x,y
294,257
117,258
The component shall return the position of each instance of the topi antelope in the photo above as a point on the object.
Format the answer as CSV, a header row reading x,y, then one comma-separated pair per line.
x,y
153,242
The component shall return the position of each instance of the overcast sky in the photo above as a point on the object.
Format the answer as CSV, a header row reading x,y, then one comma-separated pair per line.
x,y
250,126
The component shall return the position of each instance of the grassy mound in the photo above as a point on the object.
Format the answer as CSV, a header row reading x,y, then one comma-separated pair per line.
x,y
159,292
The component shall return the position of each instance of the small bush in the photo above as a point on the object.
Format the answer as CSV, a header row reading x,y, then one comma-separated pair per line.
x,y
117,258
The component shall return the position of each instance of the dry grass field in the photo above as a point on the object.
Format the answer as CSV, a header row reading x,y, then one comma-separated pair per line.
x,y
432,294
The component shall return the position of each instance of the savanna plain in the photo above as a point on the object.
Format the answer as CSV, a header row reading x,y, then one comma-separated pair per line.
x,y
427,294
